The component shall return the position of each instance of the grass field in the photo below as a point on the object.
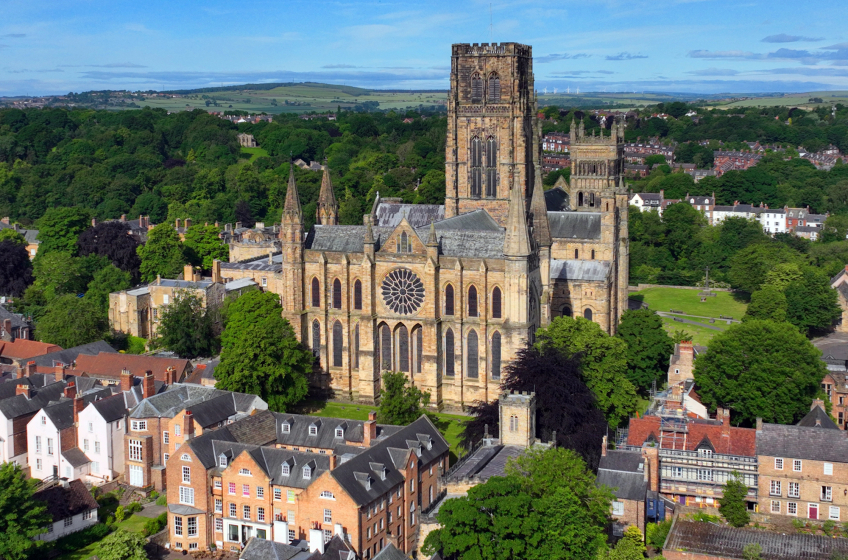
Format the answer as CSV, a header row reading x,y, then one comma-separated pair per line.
x,y
134,524
254,153
688,301
449,424
801,100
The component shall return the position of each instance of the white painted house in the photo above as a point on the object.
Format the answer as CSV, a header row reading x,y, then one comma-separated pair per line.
x,y
100,436
71,507
20,400
773,220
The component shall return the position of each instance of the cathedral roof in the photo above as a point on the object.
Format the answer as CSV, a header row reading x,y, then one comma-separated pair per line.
x,y
418,215
579,225
469,244
579,270
478,220
556,199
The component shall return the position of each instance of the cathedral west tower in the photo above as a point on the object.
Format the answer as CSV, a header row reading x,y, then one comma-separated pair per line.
x,y
491,145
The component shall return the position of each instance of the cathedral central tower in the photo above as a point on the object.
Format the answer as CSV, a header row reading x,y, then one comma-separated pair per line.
x,y
492,141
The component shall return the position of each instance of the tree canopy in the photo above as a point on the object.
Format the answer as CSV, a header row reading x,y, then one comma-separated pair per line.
x,y
760,369
113,241
15,268
563,404
203,245
22,518
122,545
546,507
732,504
186,327
70,321
401,403
162,255
648,346
59,228
260,353
603,363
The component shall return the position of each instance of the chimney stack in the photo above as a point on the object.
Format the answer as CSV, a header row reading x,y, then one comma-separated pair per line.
x,y
93,222
71,390
171,375
7,327
123,217
188,425
19,372
177,223
79,405
187,223
188,273
59,372
604,446
759,424
23,389
30,368
126,380
370,429
149,385
216,270
817,403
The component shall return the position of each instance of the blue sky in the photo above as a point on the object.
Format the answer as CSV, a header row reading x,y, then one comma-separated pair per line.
x,y
707,46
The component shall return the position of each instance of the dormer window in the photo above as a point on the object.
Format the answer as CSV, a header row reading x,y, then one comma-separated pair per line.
x,y
222,460
307,472
286,428
313,430
286,469
339,433
706,453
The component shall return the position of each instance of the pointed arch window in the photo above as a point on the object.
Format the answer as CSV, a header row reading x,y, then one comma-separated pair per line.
x,y
496,303
496,355
316,338
338,342
472,362
385,347
418,357
449,300
356,346
491,167
316,293
472,301
494,89
404,244
402,348
566,311
450,368
580,199
337,294
476,167
476,88
357,295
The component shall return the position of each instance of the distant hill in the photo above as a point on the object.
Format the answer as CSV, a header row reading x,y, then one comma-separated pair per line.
x,y
349,90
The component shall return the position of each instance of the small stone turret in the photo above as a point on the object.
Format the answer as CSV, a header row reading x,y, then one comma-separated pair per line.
x,y
327,213
518,418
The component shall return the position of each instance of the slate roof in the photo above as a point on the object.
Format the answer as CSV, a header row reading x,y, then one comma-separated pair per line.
x,y
261,549
723,541
390,552
271,459
69,355
343,239
185,284
801,442
470,243
834,348
177,398
818,418
62,413
556,200
575,225
15,407
298,435
17,319
356,474
75,457
258,429
579,270
620,471
477,220
258,263
418,215
741,441
111,408
110,364
66,502
486,462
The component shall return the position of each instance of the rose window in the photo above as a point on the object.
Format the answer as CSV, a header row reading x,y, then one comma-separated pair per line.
x,y
403,291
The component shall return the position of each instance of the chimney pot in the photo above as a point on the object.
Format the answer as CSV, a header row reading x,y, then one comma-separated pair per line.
x,y
24,390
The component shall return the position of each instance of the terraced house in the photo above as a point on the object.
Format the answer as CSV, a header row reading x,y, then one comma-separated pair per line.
x,y
246,479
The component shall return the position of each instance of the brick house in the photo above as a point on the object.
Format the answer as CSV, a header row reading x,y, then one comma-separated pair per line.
x,y
14,325
20,350
163,421
690,459
233,483
835,385
804,468
109,366
626,472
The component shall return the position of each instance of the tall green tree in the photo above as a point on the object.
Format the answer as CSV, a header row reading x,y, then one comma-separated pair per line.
x,y
22,518
603,363
768,303
630,547
749,267
811,304
15,268
10,234
203,244
59,229
122,545
71,321
732,504
107,280
186,327
546,507
162,255
401,403
260,353
760,369
648,346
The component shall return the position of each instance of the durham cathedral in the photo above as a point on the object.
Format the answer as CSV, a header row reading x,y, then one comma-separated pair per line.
x,y
448,294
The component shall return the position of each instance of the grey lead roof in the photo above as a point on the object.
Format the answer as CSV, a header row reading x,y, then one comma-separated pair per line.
x,y
418,215
478,220
298,434
556,200
261,549
111,408
620,470
184,395
801,442
579,270
75,457
818,418
390,552
575,225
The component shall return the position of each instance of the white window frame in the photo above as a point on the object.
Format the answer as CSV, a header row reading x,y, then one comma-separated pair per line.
x,y
178,526
828,468
794,490
775,506
775,488
278,494
219,505
187,495
186,474
136,449
834,513
138,425
327,495
166,438
617,508
191,526
778,464
328,515
260,492
245,472
790,506
797,465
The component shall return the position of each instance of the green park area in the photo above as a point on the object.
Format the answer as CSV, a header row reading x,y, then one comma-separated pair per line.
x,y
255,153
696,315
450,425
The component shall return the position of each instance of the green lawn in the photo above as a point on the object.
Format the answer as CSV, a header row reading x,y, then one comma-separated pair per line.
x,y
449,424
700,335
134,524
255,153
687,301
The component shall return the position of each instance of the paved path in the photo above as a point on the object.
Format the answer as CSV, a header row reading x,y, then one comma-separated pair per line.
x,y
152,510
688,322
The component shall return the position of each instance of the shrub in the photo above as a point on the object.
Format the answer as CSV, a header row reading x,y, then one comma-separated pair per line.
x,y
657,533
133,507
153,526
797,523
120,513
81,539
153,495
704,517
162,500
